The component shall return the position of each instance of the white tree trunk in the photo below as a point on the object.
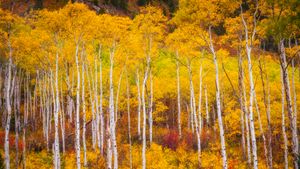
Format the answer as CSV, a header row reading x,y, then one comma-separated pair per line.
x,y
251,92
56,113
206,107
112,111
117,114
128,118
151,107
84,117
100,104
218,100
291,113
77,121
8,107
139,102
285,140
200,101
194,113
144,113
178,95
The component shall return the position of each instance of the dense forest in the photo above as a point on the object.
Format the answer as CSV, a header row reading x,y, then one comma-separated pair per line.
x,y
149,84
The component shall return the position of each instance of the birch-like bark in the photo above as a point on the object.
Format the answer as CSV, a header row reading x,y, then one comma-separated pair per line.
x,y
266,97
112,110
8,80
92,107
218,101
178,95
95,84
77,120
242,104
56,113
151,107
194,113
200,100
101,104
144,112
17,104
294,89
261,131
291,113
117,113
62,120
139,102
84,116
285,140
206,107
252,89
128,119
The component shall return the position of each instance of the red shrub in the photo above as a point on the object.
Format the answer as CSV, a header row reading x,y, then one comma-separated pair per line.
x,y
171,140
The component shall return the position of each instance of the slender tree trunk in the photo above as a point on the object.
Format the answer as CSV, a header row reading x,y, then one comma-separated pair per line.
x,y
294,89
77,122
243,107
108,146
144,113
95,84
178,95
194,113
92,107
84,117
139,102
200,101
151,107
291,113
128,118
251,92
285,140
8,80
218,101
117,113
206,107
17,104
56,113
112,110
261,130
101,105
267,108
62,120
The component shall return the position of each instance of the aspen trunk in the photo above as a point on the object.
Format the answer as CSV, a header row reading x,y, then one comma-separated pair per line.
x,y
251,92
77,121
112,111
101,104
200,101
151,107
56,113
243,107
128,118
178,95
218,101
261,131
139,102
285,140
8,80
117,114
266,97
92,107
144,113
84,116
206,107
291,113
194,114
